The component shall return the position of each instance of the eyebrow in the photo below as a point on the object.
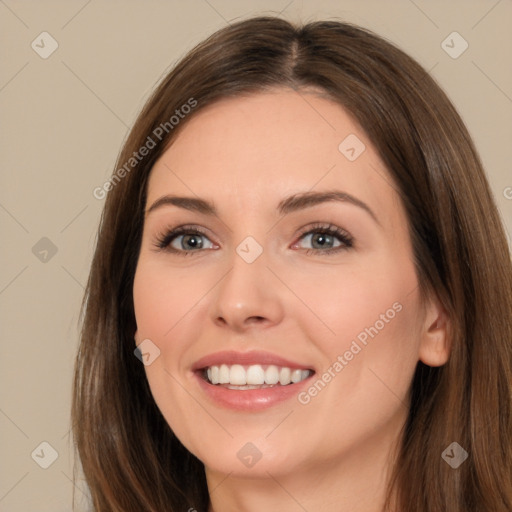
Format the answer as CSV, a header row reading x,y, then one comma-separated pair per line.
x,y
288,205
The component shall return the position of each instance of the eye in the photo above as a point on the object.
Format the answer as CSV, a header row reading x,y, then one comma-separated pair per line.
x,y
324,238
184,240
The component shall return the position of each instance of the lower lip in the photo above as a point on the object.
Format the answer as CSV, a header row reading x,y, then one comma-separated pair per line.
x,y
250,399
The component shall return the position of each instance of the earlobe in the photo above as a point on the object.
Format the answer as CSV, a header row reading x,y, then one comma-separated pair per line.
x,y
435,339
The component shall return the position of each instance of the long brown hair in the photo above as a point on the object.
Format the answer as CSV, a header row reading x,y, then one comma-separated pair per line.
x,y
131,459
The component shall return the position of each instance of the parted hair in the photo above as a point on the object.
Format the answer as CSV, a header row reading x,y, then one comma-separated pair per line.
x,y
130,458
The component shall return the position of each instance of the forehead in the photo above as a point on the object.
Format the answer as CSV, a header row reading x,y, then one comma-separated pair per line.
x,y
262,147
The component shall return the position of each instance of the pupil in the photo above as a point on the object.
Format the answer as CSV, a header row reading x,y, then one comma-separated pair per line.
x,y
193,241
322,239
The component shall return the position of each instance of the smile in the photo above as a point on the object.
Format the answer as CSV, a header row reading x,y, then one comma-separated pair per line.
x,y
250,381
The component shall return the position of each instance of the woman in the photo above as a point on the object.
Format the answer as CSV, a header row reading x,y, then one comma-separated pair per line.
x,y
301,295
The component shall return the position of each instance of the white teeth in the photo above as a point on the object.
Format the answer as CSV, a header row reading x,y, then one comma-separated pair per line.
x,y
237,375
285,376
272,375
215,374
296,376
255,375
250,377
224,374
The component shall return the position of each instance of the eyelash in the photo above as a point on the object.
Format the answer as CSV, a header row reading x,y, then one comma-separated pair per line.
x,y
164,240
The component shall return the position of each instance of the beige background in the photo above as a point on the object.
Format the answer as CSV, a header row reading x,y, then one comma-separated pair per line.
x,y
63,121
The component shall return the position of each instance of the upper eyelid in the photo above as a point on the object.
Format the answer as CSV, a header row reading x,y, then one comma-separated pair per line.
x,y
312,226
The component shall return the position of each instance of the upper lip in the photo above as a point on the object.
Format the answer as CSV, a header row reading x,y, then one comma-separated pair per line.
x,y
231,357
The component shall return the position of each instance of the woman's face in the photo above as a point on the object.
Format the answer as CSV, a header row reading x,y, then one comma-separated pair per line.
x,y
291,285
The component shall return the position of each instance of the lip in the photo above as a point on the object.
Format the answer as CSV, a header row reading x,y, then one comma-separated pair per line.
x,y
249,400
231,357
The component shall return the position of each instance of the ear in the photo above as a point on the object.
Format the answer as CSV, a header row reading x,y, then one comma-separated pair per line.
x,y
435,341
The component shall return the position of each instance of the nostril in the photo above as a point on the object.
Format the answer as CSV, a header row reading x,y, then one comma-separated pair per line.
x,y
257,319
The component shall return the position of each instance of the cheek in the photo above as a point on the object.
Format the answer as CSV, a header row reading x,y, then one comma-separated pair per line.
x,y
370,319
163,297
164,303
165,300
369,358
347,301
170,307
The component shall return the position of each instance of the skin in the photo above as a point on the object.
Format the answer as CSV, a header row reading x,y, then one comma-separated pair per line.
x,y
247,154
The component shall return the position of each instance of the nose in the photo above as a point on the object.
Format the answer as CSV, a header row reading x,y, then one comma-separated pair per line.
x,y
247,296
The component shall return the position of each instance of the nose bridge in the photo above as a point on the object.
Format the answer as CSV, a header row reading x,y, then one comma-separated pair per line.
x,y
247,292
